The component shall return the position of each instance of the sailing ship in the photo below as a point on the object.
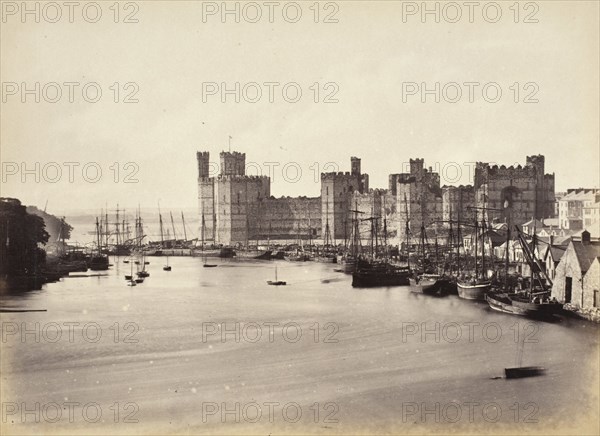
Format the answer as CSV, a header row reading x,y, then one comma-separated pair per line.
x,y
328,255
139,229
533,302
379,272
476,287
98,261
351,260
300,254
427,279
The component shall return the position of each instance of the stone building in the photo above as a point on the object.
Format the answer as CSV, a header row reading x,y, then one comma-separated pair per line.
x,y
578,209
337,190
523,191
576,282
237,208
458,203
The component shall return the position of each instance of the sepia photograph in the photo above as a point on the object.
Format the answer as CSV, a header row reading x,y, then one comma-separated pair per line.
x,y
352,217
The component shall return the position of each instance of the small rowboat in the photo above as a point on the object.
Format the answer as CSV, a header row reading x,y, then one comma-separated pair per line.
x,y
524,371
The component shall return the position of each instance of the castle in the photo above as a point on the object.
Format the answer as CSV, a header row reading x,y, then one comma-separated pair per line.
x,y
238,209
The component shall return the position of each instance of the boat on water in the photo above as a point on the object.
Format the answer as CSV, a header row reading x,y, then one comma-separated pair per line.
x,y
520,371
474,289
432,284
167,267
298,256
326,258
524,371
253,254
276,282
131,283
532,302
380,274
477,286
522,304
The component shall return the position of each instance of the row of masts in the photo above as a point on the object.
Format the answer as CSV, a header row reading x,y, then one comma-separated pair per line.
x,y
121,231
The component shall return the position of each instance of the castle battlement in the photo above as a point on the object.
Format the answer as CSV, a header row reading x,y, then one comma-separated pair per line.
x,y
235,154
237,178
339,176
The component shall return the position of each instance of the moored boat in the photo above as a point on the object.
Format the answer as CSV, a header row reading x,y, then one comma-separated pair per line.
x,y
380,274
432,284
473,289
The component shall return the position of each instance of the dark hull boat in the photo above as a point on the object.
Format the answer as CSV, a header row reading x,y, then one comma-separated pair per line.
x,y
98,263
382,274
516,304
276,283
473,290
524,371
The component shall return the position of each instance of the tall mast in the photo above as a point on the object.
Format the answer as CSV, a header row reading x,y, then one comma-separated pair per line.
x,y
483,245
509,222
117,225
173,226
407,231
107,233
450,239
184,231
458,232
98,240
162,238
476,237
202,229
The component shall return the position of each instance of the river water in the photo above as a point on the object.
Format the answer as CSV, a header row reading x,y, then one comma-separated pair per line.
x,y
217,350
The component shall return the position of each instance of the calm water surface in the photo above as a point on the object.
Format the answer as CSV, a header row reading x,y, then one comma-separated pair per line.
x,y
216,350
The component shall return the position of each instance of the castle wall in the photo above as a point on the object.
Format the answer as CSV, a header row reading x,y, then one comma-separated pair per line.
x,y
290,218
528,191
238,208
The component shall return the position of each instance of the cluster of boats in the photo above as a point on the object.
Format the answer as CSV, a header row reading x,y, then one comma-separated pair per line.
x,y
471,281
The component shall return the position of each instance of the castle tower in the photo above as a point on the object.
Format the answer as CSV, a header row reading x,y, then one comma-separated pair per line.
x,y
233,163
206,197
336,194
203,158
355,166
416,167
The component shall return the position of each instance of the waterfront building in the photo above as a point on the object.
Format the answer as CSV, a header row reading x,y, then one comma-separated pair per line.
x,y
576,281
579,209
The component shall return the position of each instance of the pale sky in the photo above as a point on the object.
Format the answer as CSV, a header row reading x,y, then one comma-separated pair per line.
x,y
368,55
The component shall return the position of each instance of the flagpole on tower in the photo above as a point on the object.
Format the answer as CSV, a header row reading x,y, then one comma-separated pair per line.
x,y
229,143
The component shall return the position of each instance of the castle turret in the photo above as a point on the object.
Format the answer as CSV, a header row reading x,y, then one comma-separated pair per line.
x,y
203,164
355,166
233,163
416,166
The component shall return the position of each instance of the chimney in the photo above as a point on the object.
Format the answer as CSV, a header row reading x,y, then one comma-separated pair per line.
x,y
585,237
551,240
